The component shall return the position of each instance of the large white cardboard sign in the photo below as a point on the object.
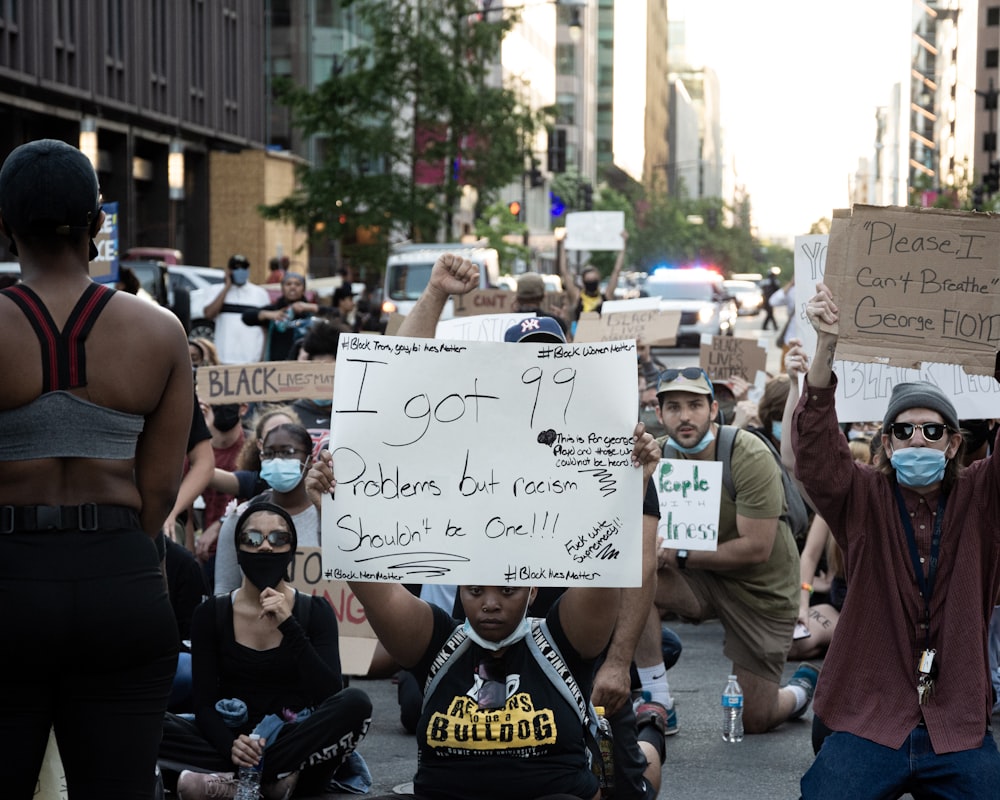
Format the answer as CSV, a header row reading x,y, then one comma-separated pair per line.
x,y
690,496
595,230
863,388
484,462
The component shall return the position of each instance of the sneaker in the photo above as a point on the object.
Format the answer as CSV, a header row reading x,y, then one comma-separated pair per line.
x,y
805,676
206,786
672,726
651,712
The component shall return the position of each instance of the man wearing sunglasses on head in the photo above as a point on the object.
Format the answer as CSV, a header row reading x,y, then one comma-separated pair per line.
x,y
905,685
750,582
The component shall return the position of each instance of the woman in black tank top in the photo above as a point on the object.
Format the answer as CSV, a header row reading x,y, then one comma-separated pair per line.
x,y
98,419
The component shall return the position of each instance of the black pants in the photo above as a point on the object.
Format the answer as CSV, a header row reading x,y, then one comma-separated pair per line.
x,y
769,318
90,647
315,747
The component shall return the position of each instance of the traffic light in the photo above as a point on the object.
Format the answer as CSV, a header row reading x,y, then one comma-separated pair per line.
x,y
587,193
992,179
557,150
514,207
535,175
977,197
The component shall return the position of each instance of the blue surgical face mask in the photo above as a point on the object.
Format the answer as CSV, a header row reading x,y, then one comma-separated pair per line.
x,y
776,430
706,440
918,466
324,403
239,276
282,474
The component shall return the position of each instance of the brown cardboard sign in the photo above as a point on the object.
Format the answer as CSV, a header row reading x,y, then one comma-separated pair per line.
x,y
649,326
357,639
917,285
500,301
265,382
727,356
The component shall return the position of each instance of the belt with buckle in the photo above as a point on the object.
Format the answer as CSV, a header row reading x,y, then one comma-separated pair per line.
x,y
85,517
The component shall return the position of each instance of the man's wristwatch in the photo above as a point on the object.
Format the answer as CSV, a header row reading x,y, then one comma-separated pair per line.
x,y
682,559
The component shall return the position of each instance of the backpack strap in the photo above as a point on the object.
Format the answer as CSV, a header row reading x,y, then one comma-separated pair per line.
x,y
546,652
551,660
457,643
724,453
302,608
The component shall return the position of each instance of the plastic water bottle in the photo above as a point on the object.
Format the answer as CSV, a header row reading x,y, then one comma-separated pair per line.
x,y
248,787
605,771
732,711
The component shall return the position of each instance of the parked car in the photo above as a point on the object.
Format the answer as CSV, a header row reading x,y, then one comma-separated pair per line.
x,y
168,255
700,297
749,297
203,285
184,289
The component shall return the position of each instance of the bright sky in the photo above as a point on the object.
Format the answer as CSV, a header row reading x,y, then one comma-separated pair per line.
x,y
800,81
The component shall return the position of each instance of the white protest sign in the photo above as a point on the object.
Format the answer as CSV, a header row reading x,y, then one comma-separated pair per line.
x,y
863,388
690,496
484,462
595,230
478,328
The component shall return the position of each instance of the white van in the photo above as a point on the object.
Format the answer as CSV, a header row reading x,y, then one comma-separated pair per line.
x,y
408,270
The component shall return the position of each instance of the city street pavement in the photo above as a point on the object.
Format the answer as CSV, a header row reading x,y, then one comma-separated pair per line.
x,y
699,765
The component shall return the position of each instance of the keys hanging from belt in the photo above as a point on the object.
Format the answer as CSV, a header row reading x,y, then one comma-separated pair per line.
x,y
927,670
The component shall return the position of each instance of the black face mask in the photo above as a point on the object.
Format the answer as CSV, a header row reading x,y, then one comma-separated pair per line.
x,y
590,287
226,416
264,570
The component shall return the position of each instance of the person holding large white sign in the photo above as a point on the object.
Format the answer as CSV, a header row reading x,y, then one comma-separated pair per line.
x,y
750,581
907,670
541,334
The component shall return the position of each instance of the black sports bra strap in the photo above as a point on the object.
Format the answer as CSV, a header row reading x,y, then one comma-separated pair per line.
x,y
64,357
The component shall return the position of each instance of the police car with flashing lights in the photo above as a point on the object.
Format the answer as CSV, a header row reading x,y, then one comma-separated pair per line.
x,y
700,296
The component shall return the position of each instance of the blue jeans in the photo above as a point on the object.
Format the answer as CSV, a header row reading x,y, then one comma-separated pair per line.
x,y
850,766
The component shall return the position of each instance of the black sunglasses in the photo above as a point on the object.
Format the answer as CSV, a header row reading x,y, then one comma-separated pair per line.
x,y
274,538
691,373
932,431
492,693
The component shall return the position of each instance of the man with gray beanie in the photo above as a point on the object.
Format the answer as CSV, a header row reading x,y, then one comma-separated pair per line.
x,y
905,687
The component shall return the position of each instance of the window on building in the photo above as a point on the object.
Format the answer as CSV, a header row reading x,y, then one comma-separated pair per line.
x,y
566,59
993,16
158,98
281,13
196,62
64,43
989,142
566,103
993,57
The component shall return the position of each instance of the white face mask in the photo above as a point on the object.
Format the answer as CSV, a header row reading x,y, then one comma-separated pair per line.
x,y
515,635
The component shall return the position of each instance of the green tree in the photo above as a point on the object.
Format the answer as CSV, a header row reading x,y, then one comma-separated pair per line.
x,y
405,121
820,226
681,232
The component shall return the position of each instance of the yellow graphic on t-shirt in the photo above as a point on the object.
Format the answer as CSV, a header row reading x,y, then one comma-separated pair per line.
x,y
518,724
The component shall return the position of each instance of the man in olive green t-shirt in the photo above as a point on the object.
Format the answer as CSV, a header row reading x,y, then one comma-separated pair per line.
x,y
750,583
